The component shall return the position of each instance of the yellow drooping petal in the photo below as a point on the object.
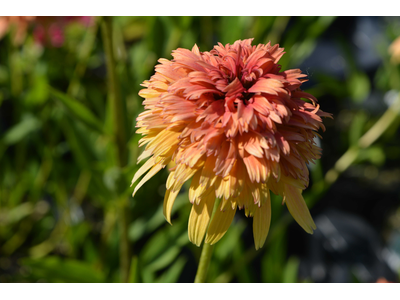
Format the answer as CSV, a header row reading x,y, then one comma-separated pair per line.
x,y
149,93
293,182
298,208
220,223
145,154
150,174
223,188
169,199
199,218
170,180
245,199
143,169
261,223
208,177
184,173
164,141
194,186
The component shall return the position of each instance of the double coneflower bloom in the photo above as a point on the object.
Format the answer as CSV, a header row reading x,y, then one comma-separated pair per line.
x,y
237,126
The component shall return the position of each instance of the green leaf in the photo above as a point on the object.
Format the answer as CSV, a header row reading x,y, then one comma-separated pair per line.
x,y
230,240
171,275
78,110
164,259
4,76
273,260
374,154
55,269
163,240
16,213
291,270
359,86
39,92
232,28
146,224
28,124
115,181
356,127
134,272
320,25
79,142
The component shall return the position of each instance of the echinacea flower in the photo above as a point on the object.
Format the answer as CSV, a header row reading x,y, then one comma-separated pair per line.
x,y
238,127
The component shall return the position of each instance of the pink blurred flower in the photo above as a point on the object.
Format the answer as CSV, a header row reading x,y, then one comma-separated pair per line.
x,y
50,30
46,30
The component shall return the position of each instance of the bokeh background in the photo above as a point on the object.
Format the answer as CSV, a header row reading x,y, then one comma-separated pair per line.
x,y
66,211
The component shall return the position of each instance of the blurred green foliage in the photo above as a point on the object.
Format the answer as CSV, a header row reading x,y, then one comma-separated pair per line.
x,y
62,189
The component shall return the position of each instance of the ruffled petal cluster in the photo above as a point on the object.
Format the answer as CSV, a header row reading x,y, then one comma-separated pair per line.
x,y
237,126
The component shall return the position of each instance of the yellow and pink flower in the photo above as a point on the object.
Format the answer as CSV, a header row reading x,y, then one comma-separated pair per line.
x,y
238,127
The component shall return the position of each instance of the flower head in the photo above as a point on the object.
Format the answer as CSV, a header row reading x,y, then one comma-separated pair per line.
x,y
236,125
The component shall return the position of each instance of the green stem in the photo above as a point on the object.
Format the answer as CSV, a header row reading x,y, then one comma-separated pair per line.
x,y
16,76
85,50
280,23
205,259
120,139
117,104
348,158
387,119
342,164
124,249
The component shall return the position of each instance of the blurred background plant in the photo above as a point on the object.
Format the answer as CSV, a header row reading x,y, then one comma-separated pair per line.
x,y
68,149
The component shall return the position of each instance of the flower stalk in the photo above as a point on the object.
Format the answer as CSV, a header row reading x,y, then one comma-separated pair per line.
x,y
204,263
118,107
348,158
85,50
